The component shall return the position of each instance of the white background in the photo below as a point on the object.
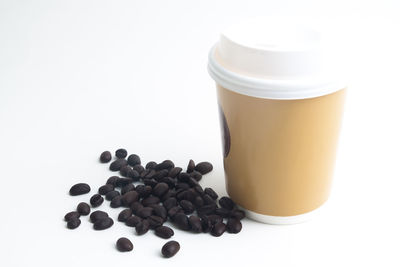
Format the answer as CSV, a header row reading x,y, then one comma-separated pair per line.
x,y
80,77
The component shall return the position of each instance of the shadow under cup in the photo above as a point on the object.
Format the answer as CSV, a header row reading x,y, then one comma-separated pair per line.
x,y
279,155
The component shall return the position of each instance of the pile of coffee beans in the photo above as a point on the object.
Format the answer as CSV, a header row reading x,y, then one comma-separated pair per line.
x,y
153,194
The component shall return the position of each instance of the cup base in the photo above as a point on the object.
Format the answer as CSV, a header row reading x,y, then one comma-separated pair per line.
x,y
282,220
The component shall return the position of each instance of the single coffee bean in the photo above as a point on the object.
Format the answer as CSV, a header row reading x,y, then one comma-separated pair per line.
x,y
215,219
208,200
116,202
150,182
151,165
133,221
136,206
117,165
155,221
79,189
164,232
223,212
105,157
96,200
181,221
145,212
174,172
199,190
204,167
98,215
112,180
121,182
207,209
150,200
139,168
73,223
124,215
170,249
160,174
160,189
83,208
211,193
104,189
143,190
124,244
127,188
195,224
133,160
169,203
134,175
187,206
112,194
183,177
190,166
121,153
166,164
142,227
125,170
233,226
103,224
227,203
160,211
173,211
72,215
218,229
196,175
238,214
183,186
206,224
198,201
129,197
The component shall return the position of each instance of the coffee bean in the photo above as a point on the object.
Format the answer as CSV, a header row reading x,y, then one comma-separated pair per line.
x,y
174,172
233,226
98,215
116,202
160,211
145,212
208,200
103,224
104,189
125,170
133,221
112,194
121,153
206,209
129,197
205,224
150,200
227,203
150,182
223,212
187,206
183,177
127,188
183,186
164,232
218,229
211,193
215,219
204,167
83,208
196,175
136,206
151,165
190,166
181,221
169,203
124,215
199,190
79,189
142,227
198,201
160,189
170,249
166,164
170,193
160,174
155,221
112,180
124,244
117,164
73,223
172,212
143,190
72,215
121,182
238,214
195,224
192,182
105,157
139,168
133,160
169,181
96,200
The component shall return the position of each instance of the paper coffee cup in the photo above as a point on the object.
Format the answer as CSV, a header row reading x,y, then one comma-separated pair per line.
x,y
281,100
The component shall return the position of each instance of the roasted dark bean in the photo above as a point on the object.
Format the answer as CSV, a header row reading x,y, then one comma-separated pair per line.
x,y
121,153
211,193
112,194
155,221
136,206
117,164
174,172
206,224
190,166
181,221
160,174
134,160
72,215
183,186
150,182
150,200
215,219
195,224
198,189
223,212
183,177
79,189
170,249
133,221
73,223
187,206
166,164
124,215
96,200
83,208
142,227
124,244
149,174
127,188
98,215
218,229
103,190
103,224
151,165
160,189
170,193
206,209
208,200
160,211
169,181
169,203
139,168
143,190
145,212
116,202
105,157
121,182
196,175
204,167
125,170
233,226
227,203
173,211
129,197
112,180
198,201
238,214
164,232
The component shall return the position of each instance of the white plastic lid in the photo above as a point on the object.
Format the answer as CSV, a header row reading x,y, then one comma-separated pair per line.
x,y
275,58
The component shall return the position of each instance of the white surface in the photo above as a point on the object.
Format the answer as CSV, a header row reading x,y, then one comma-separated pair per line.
x,y
79,77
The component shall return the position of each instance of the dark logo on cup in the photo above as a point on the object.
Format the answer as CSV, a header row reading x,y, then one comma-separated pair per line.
x,y
226,136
